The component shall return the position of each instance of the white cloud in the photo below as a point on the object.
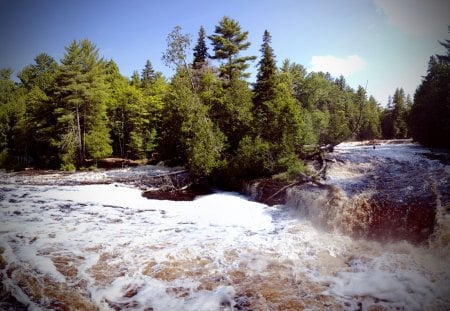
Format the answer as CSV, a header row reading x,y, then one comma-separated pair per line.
x,y
338,66
417,17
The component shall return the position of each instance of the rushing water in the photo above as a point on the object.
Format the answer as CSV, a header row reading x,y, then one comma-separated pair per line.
x,y
89,247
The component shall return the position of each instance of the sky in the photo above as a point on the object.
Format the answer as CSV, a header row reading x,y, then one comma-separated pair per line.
x,y
378,44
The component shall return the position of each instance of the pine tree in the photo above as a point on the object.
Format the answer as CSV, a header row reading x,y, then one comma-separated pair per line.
x,y
296,75
6,85
228,41
399,126
39,80
370,123
82,114
264,89
13,123
445,58
148,75
341,83
135,79
200,50
429,120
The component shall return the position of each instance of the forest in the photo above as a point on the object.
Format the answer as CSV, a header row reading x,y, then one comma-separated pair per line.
x,y
71,113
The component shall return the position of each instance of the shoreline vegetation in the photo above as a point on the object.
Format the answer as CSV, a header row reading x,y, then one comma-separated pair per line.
x,y
81,114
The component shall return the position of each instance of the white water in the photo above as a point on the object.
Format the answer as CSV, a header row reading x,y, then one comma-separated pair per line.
x,y
106,247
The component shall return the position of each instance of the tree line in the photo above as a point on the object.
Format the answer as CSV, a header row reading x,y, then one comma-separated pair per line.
x,y
207,117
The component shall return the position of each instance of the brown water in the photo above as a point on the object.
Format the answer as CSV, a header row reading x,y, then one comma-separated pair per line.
x,y
105,247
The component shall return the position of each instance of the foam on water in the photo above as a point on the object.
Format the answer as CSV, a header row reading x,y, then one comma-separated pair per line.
x,y
107,247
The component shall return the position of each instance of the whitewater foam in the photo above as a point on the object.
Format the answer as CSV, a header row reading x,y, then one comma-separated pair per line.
x,y
107,247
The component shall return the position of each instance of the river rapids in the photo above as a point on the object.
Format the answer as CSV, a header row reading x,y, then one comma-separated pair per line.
x,y
106,247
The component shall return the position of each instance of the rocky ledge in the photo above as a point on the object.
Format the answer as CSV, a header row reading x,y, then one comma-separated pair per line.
x,y
390,193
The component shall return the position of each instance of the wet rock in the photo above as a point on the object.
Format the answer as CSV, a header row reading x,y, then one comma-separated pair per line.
x,y
262,189
187,194
413,221
391,193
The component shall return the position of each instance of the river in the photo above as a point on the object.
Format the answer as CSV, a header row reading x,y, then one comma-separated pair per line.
x,y
105,247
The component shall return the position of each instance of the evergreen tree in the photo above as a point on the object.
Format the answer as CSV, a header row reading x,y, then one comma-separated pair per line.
x,y
82,113
264,89
13,123
341,83
148,75
395,116
370,123
39,79
273,149
296,75
445,59
135,79
7,86
429,120
200,50
399,126
228,41
360,106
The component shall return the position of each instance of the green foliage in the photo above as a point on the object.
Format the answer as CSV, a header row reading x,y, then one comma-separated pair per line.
x,y
394,117
253,159
69,167
200,50
204,143
14,140
4,158
228,41
233,112
292,166
266,78
76,112
188,135
370,123
134,114
98,143
6,86
68,148
430,114
148,75
82,88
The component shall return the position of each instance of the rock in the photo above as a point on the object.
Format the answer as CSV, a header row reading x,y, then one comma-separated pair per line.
x,y
392,193
262,189
186,194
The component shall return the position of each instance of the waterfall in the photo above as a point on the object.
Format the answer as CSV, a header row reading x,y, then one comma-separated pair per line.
x,y
363,216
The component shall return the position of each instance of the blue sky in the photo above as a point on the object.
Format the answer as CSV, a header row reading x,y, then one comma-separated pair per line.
x,y
383,43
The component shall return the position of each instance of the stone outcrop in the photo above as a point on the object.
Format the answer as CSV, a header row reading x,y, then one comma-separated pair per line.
x,y
391,193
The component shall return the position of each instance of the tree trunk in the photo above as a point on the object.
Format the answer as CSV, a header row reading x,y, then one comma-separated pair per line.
x,y
80,143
